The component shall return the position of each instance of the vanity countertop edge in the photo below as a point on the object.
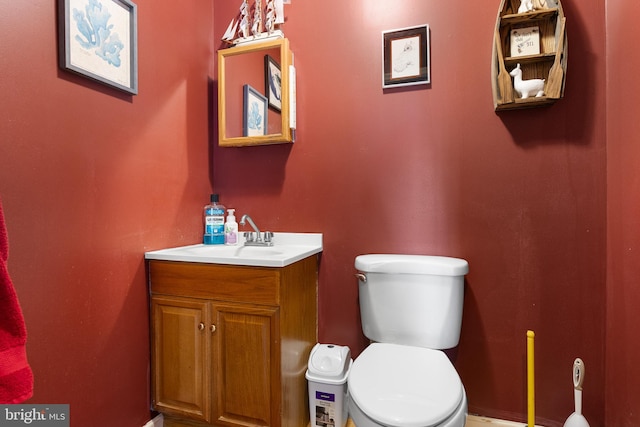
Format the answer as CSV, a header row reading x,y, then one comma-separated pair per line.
x,y
287,249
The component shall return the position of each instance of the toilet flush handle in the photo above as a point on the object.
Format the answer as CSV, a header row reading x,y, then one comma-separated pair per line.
x,y
361,277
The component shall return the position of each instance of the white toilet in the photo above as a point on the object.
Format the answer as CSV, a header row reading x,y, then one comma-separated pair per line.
x,y
411,308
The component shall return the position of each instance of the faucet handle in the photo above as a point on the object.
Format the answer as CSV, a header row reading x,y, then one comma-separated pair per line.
x,y
248,236
268,236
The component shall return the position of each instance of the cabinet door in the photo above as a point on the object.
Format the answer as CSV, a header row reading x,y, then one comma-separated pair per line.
x,y
246,365
181,343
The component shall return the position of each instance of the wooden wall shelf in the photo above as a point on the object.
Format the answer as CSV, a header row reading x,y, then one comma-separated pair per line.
x,y
550,64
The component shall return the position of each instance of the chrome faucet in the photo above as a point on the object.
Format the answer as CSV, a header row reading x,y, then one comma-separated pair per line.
x,y
257,238
245,218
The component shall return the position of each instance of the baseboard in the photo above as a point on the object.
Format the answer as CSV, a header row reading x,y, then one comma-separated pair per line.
x,y
472,421
158,421
478,421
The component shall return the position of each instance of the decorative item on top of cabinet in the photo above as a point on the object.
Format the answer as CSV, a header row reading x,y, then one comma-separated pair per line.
x,y
243,30
230,344
530,35
245,65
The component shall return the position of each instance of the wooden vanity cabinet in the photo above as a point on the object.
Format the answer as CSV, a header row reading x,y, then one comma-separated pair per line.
x,y
230,344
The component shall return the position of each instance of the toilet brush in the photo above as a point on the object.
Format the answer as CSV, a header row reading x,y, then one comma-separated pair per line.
x,y
577,419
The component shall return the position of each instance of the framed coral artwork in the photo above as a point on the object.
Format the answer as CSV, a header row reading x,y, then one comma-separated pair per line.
x,y
98,40
405,53
254,116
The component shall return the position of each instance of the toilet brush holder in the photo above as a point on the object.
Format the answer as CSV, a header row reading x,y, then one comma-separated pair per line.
x,y
577,419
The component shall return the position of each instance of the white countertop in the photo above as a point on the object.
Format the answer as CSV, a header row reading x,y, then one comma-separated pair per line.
x,y
287,249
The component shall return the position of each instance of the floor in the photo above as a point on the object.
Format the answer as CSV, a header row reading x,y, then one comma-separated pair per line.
x,y
476,421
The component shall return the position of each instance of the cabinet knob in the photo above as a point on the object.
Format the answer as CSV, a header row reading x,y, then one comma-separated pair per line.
x,y
213,328
201,326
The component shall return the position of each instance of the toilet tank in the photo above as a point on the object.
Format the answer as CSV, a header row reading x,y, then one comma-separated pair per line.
x,y
411,299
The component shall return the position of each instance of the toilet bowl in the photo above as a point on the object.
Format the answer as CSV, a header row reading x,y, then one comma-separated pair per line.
x,y
394,385
411,309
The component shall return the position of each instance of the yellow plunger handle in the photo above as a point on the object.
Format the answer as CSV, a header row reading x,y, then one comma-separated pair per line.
x,y
531,408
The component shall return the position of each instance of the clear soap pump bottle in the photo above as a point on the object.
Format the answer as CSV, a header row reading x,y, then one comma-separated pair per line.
x,y
231,229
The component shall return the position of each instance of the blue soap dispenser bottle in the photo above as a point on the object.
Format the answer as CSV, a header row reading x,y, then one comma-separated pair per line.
x,y
213,222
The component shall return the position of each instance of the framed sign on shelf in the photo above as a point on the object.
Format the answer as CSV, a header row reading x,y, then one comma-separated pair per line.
x,y
98,40
525,41
405,53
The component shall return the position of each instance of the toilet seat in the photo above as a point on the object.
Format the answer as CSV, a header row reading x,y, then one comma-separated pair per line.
x,y
405,386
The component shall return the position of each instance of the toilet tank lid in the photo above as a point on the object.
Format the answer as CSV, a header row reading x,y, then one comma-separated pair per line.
x,y
411,264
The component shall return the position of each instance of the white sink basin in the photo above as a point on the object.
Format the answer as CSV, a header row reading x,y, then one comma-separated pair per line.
x,y
231,251
287,249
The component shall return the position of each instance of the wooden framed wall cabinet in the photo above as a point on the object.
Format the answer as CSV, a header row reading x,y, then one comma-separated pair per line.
x,y
243,65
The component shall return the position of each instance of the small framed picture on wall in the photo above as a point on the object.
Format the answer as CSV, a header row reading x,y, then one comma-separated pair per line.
x,y
405,53
98,40
273,83
254,117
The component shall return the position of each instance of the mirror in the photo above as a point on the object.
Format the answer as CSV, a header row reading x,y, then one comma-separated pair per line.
x,y
252,109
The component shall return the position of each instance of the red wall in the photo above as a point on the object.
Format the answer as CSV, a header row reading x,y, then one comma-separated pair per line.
x,y
623,211
520,195
89,180
541,207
